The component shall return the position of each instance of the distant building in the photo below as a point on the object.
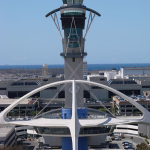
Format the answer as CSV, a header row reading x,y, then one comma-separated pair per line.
x,y
125,108
146,93
128,73
16,89
110,74
136,71
133,129
134,77
27,105
45,70
129,129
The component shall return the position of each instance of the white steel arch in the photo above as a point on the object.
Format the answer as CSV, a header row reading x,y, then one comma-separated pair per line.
x,y
3,114
74,124
146,114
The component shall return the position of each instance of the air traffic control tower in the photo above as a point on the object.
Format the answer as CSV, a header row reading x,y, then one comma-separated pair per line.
x,y
73,16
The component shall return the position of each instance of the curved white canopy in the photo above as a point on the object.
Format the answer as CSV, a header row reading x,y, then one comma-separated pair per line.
x,y
74,124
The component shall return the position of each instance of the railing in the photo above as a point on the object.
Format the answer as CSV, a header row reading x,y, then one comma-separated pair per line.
x,y
82,117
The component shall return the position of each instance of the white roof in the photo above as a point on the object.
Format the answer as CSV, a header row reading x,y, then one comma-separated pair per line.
x,y
44,122
10,101
31,131
3,97
126,131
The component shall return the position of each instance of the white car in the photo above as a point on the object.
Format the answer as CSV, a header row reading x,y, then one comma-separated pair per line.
x,y
127,145
117,138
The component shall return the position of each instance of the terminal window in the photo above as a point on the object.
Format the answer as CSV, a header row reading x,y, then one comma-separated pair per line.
x,y
73,59
72,2
73,12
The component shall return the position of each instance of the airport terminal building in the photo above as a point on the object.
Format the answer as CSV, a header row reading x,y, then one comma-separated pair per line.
x,y
16,89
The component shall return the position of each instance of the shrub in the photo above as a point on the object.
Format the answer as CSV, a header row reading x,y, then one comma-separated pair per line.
x,y
142,146
146,141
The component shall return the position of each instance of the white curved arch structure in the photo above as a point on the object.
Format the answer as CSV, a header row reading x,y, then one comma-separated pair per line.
x,y
74,124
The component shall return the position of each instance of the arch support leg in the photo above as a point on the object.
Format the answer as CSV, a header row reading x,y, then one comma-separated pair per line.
x,y
74,125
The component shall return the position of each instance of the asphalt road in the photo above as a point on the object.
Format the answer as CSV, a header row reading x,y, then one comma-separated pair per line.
x,y
126,139
32,145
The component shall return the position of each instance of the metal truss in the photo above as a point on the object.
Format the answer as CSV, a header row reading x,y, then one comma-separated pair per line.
x,y
55,19
88,89
90,20
70,77
73,22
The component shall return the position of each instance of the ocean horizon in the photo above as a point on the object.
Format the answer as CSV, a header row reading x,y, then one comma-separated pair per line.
x,y
91,67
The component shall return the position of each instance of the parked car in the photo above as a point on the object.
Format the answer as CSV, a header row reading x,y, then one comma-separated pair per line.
x,y
117,138
127,145
124,143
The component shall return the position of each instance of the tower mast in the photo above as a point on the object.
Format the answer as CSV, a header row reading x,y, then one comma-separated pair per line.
x,y
73,16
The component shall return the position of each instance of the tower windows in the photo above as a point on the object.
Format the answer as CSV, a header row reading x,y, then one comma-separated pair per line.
x,y
73,2
73,12
73,37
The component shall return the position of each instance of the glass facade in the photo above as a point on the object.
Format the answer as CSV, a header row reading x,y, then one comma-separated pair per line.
x,y
67,113
121,82
91,114
130,82
18,84
73,36
52,131
26,83
72,12
66,131
30,83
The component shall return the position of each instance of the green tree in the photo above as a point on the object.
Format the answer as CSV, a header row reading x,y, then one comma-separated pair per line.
x,y
114,110
102,109
142,146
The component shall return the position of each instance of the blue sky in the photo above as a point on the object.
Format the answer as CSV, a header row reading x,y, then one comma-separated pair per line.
x,y
120,35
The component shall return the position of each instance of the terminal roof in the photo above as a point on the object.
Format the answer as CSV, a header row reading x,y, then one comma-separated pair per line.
x,y
10,101
4,131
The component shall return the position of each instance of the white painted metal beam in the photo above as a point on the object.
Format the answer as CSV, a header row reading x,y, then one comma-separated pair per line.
x,y
74,124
